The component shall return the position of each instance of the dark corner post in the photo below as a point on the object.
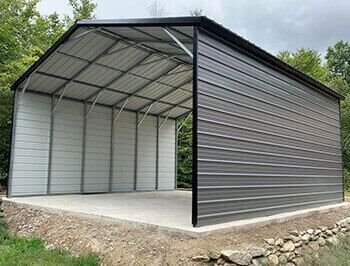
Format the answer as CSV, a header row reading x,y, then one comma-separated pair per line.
x,y
341,149
12,143
194,130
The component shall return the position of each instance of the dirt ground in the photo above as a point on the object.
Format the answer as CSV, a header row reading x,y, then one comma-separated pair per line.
x,y
126,244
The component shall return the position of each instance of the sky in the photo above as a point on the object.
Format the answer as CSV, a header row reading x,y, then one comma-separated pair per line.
x,y
274,25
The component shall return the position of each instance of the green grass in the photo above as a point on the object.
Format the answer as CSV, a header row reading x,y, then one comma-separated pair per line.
x,y
336,255
347,194
20,251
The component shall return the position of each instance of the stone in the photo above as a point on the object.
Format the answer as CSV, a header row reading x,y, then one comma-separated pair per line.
x,y
298,251
335,230
201,258
321,241
273,259
270,241
329,232
238,257
293,238
318,232
290,264
310,231
299,261
323,228
279,242
288,246
298,244
294,232
214,254
256,252
220,261
282,259
314,245
260,261
332,240
305,237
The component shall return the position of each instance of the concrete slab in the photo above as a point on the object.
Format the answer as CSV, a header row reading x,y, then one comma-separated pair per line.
x,y
169,210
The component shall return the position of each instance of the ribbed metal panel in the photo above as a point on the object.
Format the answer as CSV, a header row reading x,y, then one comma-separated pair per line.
x,y
266,143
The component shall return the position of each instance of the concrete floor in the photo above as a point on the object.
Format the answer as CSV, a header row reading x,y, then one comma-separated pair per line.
x,y
170,209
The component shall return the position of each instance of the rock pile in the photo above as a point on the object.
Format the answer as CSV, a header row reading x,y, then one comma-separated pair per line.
x,y
289,250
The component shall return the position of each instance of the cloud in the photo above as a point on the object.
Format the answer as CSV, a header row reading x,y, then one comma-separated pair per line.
x,y
274,25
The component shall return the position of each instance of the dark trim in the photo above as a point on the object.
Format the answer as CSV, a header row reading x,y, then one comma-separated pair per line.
x,y
341,149
195,130
12,143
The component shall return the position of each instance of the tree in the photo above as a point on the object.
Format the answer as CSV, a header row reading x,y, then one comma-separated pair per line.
x,y
25,34
184,170
307,61
156,9
338,60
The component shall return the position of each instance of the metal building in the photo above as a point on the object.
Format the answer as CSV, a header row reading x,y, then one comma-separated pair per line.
x,y
98,113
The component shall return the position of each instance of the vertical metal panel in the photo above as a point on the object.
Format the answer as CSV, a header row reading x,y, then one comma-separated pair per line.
x,y
124,152
266,143
83,149
97,153
29,167
195,129
157,155
111,164
48,188
66,149
136,145
166,180
146,158
176,152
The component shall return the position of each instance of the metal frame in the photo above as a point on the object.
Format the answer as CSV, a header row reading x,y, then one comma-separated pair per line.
x,y
341,150
195,130
82,180
157,155
179,43
136,150
111,156
52,121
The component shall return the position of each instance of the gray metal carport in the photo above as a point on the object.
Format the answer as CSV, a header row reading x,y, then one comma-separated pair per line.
x,y
266,138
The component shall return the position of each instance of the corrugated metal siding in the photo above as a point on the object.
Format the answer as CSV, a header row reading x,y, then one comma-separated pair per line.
x,y
97,151
31,145
266,143
146,157
124,152
166,174
67,147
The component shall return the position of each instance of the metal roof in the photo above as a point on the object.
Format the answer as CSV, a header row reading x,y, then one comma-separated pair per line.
x,y
111,61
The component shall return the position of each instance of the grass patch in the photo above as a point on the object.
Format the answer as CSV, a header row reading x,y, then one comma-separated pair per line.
x,y
20,251
347,194
336,255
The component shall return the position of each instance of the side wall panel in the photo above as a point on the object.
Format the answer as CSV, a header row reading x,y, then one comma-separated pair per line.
x,y
266,143
146,157
31,145
166,177
67,147
124,152
97,150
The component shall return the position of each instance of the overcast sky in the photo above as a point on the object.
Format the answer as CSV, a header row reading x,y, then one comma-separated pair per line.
x,y
274,25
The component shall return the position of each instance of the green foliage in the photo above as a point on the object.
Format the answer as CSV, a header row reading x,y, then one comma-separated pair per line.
x,y
338,60
184,170
307,61
25,34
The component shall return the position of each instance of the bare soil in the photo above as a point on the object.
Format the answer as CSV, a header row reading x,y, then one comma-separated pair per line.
x,y
127,244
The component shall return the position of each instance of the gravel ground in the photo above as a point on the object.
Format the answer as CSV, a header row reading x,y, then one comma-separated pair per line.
x,y
126,244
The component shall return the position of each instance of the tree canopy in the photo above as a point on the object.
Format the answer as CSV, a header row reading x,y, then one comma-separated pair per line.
x,y
25,34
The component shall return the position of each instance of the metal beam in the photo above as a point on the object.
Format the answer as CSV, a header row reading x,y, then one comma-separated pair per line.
x,y
82,178
101,87
59,99
179,43
111,34
136,150
93,104
116,69
187,81
178,104
146,85
157,155
144,115
115,118
111,154
165,120
49,168
79,36
184,121
84,68
26,84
